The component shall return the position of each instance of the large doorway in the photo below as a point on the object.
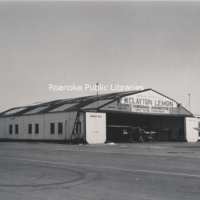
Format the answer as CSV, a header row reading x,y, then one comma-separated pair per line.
x,y
119,125
167,128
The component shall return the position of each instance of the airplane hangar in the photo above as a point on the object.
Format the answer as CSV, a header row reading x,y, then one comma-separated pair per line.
x,y
96,119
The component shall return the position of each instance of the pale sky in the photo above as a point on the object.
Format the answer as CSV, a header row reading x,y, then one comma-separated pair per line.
x,y
150,44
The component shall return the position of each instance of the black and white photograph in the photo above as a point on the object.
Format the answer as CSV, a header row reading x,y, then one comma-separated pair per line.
x,y
99,100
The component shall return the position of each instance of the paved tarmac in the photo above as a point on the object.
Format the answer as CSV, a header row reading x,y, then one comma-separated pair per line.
x,y
162,171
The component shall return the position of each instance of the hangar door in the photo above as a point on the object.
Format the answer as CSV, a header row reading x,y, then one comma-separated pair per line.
x,y
118,125
168,128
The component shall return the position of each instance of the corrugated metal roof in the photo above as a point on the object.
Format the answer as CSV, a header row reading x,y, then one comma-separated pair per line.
x,y
72,104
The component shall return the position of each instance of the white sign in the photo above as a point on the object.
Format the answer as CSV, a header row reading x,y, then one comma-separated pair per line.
x,y
95,127
149,102
191,134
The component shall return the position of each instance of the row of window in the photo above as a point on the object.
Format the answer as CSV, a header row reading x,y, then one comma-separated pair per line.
x,y
30,128
16,126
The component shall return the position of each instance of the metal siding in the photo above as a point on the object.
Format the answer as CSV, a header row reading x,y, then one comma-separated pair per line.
x,y
54,118
44,121
15,120
34,119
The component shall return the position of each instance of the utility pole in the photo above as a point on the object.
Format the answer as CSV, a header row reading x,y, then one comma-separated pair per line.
x,y
97,95
189,102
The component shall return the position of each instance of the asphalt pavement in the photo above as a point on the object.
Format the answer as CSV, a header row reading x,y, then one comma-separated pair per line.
x,y
162,171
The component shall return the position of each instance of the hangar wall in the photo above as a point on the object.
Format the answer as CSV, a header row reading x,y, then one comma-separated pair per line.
x,y
53,126
95,127
191,134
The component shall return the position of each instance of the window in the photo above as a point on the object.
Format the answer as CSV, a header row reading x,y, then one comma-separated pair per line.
x,y
60,128
52,128
36,128
16,128
10,129
30,128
